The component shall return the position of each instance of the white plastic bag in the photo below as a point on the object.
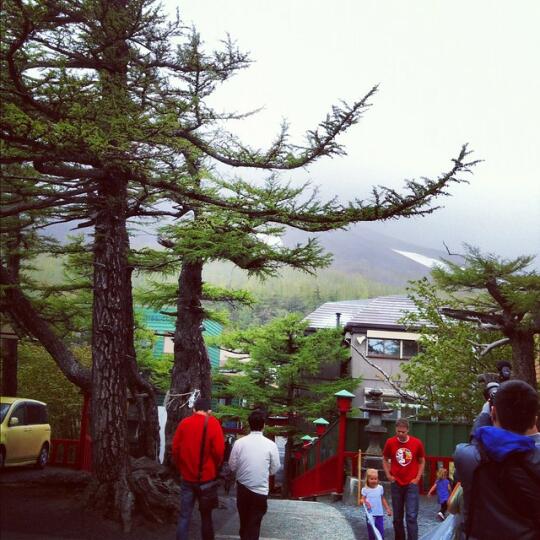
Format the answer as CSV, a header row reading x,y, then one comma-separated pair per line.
x,y
371,523
443,531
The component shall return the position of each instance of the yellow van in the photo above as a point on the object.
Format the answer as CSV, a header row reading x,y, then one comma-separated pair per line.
x,y
25,433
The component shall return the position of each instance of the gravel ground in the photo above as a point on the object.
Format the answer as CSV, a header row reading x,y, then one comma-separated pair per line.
x,y
427,518
47,505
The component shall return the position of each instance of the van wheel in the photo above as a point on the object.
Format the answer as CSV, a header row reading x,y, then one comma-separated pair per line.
x,y
43,457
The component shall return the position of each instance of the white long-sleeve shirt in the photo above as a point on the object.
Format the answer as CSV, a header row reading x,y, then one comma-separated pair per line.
x,y
253,458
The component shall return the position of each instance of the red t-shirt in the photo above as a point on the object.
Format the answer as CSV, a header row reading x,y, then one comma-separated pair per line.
x,y
186,447
403,458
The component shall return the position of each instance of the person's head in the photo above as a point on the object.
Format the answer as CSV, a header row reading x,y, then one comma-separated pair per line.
x,y
372,478
256,420
402,429
202,405
515,406
442,473
505,369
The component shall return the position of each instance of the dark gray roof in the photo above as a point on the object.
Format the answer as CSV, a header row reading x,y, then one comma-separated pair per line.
x,y
325,315
383,312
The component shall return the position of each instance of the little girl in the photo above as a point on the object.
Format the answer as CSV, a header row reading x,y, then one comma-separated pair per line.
x,y
443,487
373,498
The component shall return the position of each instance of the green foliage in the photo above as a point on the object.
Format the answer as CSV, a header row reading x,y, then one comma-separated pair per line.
x,y
445,372
41,379
283,370
494,285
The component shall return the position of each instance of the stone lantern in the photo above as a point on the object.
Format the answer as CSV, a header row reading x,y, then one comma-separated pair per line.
x,y
375,407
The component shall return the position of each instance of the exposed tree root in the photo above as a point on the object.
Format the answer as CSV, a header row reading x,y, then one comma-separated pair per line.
x,y
150,490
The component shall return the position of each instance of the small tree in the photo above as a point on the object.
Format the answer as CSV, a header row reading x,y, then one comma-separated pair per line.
x,y
280,374
443,375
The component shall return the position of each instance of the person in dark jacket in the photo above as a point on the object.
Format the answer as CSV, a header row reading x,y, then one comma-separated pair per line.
x,y
500,469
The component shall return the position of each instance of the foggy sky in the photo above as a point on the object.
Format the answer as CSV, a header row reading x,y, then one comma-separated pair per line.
x,y
449,73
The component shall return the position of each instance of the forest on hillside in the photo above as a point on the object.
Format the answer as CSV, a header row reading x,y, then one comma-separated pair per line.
x,y
291,292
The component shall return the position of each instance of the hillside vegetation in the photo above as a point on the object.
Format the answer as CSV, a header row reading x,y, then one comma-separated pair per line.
x,y
291,292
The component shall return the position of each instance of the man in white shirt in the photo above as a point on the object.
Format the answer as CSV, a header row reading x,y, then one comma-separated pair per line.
x,y
253,459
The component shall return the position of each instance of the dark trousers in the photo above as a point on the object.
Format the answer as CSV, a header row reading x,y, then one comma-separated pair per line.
x,y
405,500
251,509
379,523
444,507
189,492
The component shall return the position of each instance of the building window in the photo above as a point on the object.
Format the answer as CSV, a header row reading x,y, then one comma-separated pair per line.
x,y
392,348
410,348
383,347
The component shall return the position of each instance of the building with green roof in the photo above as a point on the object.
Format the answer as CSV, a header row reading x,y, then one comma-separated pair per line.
x,y
163,328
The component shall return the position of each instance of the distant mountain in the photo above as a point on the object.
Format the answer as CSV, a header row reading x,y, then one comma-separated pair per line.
x,y
360,250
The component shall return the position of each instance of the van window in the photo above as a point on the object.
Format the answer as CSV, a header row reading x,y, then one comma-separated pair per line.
x,y
4,408
20,413
36,414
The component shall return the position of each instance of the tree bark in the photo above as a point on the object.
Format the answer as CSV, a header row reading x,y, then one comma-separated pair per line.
x,y
192,369
523,354
141,390
110,332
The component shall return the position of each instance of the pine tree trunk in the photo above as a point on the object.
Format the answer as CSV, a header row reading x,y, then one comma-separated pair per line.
x,y
110,329
9,349
192,369
141,390
522,343
9,366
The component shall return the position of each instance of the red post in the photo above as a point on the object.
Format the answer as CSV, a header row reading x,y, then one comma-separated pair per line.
x,y
320,427
340,477
344,400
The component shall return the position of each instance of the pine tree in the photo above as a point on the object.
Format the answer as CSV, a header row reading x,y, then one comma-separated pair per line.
x,y
444,374
497,294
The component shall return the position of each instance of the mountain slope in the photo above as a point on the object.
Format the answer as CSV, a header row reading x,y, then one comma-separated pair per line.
x,y
360,250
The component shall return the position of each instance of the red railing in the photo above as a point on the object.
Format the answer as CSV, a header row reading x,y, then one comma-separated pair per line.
x,y
323,478
75,453
65,453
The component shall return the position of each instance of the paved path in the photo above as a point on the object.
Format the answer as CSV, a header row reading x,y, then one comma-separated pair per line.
x,y
45,512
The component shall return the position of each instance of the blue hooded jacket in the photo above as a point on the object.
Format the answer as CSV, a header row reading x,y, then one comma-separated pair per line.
x,y
507,484
499,443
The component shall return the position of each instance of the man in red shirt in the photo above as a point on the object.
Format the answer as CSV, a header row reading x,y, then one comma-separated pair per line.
x,y
403,463
187,448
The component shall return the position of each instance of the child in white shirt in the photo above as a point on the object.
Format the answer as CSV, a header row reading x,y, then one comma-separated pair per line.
x,y
373,498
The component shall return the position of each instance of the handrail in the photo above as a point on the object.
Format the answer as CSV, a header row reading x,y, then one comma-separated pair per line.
x,y
326,450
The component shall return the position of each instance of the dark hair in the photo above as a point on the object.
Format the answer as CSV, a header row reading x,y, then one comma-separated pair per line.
x,y
503,363
256,420
402,422
516,405
202,404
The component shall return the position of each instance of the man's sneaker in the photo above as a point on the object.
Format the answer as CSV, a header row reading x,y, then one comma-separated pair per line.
x,y
440,515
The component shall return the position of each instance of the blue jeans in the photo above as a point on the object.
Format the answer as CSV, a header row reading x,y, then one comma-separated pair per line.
x,y
379,523
405,498
188,494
